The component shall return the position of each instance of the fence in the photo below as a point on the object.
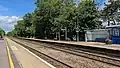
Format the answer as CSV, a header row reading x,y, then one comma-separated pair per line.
x,y
96,35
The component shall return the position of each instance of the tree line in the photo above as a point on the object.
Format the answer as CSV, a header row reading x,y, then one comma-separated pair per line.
x,y
2,33
54,18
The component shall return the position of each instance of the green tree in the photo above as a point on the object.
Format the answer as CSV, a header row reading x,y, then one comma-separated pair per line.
x,y
50,16
110,12
2,32
20,29
86,17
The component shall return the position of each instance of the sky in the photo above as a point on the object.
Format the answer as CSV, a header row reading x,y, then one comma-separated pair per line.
x,y
13,10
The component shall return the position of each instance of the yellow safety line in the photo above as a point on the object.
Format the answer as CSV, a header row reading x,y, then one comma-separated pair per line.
x,y
10,59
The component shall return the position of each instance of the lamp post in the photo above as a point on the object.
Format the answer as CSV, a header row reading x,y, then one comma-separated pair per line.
x,y
77,29
77,26
59,36
65,33
45,34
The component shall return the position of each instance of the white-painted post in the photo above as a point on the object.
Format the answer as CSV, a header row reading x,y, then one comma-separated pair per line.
x,y
65,33
59,36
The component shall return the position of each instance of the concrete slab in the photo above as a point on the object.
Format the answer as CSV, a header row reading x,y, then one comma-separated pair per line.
x,y
4,62
25,58
91,44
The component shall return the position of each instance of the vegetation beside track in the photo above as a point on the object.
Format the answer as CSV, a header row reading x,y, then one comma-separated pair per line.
x,y
64,19
2,32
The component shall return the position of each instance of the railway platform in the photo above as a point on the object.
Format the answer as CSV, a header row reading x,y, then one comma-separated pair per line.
x,y
25,58
86,44
4,62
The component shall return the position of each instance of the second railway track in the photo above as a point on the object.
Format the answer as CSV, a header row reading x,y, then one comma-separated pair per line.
x,y
53,61
97,57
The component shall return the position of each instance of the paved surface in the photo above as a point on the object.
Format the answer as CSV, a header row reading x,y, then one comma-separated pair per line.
x,y
92,44
26,59
4,63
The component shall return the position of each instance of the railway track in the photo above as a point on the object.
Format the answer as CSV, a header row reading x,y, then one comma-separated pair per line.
x,y
51,60
97,57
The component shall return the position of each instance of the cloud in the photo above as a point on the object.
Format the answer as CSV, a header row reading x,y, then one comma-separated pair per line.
x,y
7,22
